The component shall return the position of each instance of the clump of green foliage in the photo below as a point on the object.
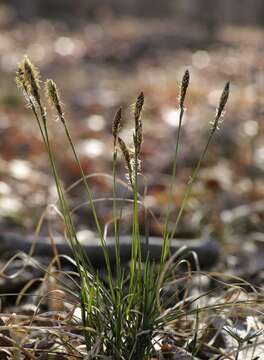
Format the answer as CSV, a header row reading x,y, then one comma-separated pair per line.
x,y
121,319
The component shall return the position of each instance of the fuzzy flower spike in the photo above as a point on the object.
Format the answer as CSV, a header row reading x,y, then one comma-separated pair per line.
x,y
27,77
52,94
128,159
184,87
138,135
220,110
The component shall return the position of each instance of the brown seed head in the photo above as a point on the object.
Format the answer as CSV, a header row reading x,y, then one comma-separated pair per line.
x,y
116,124
138,138
53,96
223,99
124,150
221,107
30,77
139,106
127,157
184,87
20,79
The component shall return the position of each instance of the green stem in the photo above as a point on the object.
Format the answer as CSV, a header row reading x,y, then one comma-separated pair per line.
x,y
118,305
77,251
165,248
90,198
116,231
190,185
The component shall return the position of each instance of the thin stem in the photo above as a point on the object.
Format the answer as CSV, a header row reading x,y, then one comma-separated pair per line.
x,y
77,250
165,248
90,198
190,185
116,230
118,302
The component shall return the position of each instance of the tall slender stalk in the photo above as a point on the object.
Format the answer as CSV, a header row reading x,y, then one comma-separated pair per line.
x,y
53,96
115,130
118,303
27,78
183,91
215,125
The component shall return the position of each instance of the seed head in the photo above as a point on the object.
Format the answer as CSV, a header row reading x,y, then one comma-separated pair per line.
x,y
221,107
127,157
116,124
138,136
184,87
223,99
28,77
20,79
53,96
139,106
125,151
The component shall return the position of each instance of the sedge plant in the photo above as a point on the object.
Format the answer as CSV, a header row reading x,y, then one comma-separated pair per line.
x,y
120,318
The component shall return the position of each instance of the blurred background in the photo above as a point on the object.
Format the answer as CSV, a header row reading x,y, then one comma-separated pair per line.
x,y
101,55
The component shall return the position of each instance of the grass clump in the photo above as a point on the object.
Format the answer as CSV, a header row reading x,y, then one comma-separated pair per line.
x,y
120,319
